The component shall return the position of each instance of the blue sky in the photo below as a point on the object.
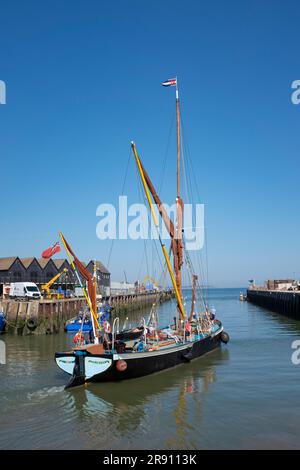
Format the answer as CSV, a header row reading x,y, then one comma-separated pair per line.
x,y
83,80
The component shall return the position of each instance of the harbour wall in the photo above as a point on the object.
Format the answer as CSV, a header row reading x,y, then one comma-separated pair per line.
x,y
50,316
285,302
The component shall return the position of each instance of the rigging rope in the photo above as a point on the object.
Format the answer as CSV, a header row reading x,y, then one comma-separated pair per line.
x,y
122,193
166,153
188,170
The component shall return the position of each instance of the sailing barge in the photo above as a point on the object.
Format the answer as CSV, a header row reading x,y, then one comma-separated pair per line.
x,y
109,358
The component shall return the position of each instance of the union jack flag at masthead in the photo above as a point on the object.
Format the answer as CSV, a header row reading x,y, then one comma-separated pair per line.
x,y
170,82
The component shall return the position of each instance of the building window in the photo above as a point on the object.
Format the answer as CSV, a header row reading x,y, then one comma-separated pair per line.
x,y
17,276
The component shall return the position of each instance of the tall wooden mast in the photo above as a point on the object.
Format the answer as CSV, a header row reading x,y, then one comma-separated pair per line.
x,y
195,278
178,138
177,241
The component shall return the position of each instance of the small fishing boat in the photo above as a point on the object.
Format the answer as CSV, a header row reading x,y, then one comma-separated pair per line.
x,y
243,297
83,322
79,323
113,357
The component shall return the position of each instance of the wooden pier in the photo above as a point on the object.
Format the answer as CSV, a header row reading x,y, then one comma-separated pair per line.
x,y
285,302
50,316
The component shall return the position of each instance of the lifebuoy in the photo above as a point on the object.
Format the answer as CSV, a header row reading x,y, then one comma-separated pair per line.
x,y
106,327
78,338
121,365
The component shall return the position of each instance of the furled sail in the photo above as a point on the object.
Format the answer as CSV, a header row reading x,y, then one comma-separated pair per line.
x,y
86,275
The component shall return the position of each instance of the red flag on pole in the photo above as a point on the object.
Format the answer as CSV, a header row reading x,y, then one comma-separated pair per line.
x,y
51,251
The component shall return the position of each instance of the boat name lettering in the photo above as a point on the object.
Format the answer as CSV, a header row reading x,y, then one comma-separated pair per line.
x,y
101,361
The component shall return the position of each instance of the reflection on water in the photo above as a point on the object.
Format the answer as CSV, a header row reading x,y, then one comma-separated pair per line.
x,y
242,395
131,406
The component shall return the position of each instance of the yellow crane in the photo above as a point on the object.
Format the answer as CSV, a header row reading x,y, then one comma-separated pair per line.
x,y
150,279
46,287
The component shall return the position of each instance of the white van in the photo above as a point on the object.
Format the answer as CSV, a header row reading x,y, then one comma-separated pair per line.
x,y
24,290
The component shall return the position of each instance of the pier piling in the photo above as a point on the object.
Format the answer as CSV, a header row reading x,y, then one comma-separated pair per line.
x,y
50,316
285,302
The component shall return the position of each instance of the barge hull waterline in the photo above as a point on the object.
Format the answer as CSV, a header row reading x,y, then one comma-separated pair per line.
x,y
146,364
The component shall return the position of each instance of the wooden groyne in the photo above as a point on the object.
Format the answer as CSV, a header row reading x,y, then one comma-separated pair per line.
x,y
50,316
285,302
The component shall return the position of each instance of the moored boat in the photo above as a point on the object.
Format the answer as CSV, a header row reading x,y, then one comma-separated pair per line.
x,y
118,355
78,323
94,363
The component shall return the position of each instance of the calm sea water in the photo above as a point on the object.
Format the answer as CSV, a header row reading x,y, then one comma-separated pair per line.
x,y
243,395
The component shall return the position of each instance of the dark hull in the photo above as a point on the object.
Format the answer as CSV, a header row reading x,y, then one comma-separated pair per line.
x,y
141,364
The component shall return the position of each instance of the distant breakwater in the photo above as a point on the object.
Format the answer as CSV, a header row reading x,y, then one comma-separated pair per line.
x,y
50,316
285,302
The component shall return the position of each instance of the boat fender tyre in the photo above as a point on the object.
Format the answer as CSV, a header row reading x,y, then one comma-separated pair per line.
x,y
121,366
31,324
224,337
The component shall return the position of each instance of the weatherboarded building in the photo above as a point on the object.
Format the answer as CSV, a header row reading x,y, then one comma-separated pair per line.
x,y
12,270
40,271
103,277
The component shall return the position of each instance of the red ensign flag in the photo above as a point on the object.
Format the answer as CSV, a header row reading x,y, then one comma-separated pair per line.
x,y
51,251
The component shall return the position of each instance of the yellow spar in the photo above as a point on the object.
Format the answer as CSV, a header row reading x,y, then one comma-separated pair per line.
x,y
83,288
179,301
